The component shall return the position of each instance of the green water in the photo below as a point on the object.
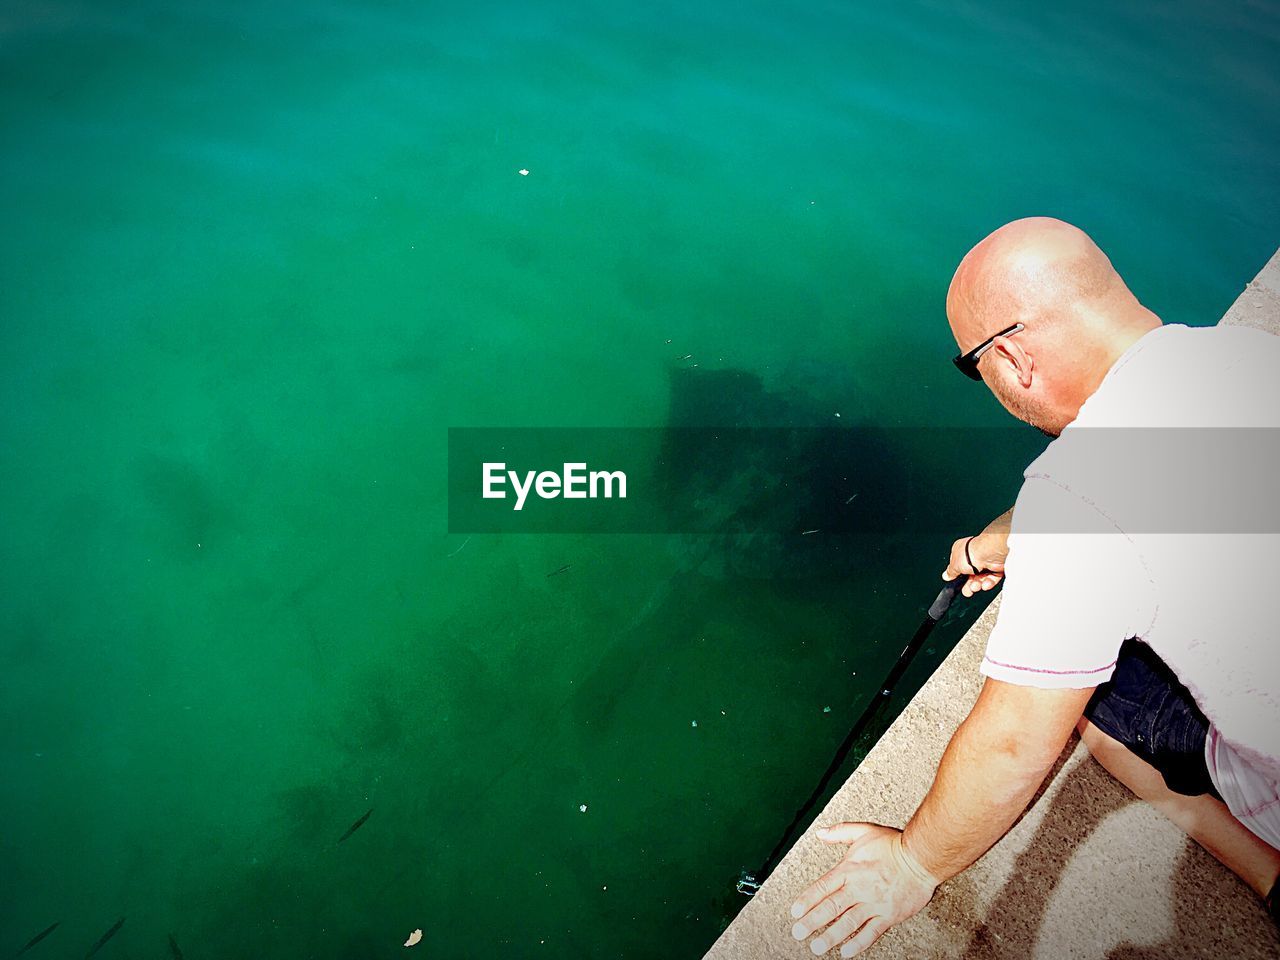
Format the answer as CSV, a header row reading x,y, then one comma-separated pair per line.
x,y
256,258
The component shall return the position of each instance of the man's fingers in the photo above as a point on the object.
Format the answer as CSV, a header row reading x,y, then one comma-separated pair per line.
x,y
976,584
825,886
865,937
826,911
842,929
844,832
987,581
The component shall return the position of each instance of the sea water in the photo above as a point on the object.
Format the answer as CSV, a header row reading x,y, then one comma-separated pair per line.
x,y
256,258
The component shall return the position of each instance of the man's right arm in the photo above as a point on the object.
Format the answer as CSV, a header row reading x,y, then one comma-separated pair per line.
x,y
980,558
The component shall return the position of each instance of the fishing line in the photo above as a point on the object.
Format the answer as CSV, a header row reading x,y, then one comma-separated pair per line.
x,y
749,882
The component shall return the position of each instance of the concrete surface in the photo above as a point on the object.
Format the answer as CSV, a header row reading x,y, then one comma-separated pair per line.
x,y
1088,872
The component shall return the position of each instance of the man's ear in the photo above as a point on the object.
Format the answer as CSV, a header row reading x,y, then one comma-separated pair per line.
x,y
1008,350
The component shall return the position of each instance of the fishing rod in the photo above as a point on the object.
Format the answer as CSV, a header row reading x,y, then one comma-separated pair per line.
x,y
749,882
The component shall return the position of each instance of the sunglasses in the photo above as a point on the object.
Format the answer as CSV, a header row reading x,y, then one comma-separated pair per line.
x,y
967,363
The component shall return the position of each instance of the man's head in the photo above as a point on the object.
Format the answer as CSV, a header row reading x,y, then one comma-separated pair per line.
x,y
1078,317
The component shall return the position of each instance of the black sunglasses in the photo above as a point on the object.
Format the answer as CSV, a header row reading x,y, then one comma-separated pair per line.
x,y
967,363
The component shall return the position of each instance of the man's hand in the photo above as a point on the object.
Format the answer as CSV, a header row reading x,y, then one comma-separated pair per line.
x,y
877,884
981,558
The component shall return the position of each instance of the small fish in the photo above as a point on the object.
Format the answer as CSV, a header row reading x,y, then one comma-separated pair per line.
x,y
357,825
102,940
805,533
559,570
37,938
851,499
687,356
175,949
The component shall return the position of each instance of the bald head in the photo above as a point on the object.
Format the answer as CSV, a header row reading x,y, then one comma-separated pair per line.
x,y
1078,317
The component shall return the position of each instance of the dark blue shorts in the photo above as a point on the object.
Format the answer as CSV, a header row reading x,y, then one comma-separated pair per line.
x,y
1146,708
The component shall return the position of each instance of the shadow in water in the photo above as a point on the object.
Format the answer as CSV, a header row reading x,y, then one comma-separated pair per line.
x,y
790,492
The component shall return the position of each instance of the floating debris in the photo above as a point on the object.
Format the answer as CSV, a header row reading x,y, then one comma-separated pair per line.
x,y
102,940
37,938
559,570
805,533
826,709
687,356
357,825
582,808
693,723
415,938
837,416
524,172
851,499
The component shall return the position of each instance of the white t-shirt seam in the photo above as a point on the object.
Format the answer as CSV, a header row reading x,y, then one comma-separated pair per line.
x,y
1146,569
1046,672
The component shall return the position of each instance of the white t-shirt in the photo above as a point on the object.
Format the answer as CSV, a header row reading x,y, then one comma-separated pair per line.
x,y
1147,519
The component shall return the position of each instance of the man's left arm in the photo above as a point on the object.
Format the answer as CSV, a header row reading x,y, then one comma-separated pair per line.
x,y
994,764
991,769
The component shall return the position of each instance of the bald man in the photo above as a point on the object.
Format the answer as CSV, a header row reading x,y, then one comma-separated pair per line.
x,y
1107,623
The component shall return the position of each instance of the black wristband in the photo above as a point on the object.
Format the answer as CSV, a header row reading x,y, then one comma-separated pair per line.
x,y
972,566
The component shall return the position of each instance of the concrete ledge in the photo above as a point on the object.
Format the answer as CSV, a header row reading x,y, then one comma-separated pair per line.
x,y
1259,305
1088,872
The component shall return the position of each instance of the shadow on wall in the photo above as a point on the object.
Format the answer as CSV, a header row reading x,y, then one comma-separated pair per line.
x,y
1210,908
1017,914
1199,928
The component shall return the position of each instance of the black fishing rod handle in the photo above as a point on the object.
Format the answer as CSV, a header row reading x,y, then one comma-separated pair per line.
x,y
951,590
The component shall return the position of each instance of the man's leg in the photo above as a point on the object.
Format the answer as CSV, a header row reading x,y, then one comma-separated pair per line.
x,y
1204,818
